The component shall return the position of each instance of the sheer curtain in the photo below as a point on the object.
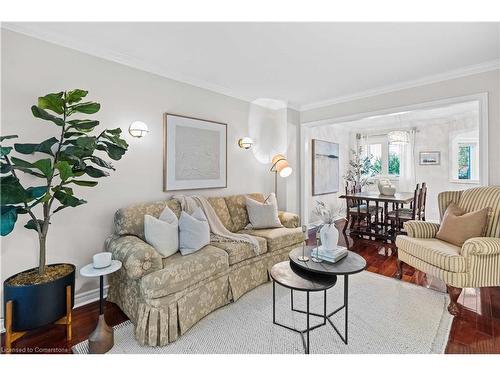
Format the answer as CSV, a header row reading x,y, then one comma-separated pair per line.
x,y
407,164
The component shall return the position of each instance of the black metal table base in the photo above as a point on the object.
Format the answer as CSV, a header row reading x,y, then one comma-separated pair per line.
x,y
326,317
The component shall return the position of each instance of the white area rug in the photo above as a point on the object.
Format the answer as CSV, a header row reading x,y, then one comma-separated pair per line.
x,y
385,316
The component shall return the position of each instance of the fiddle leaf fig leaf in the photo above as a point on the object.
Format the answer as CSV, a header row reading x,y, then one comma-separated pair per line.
x,y
95,172
45,166
35,192
11,191
30,148
67,200
5,150
5,168
74,96
53,102
8,219
83,125
83,183
31,224
44,115
4,137
101,163
87,107
65,170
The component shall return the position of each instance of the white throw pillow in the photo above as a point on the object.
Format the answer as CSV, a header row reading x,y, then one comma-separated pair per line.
x,y
194,231
263,215
162,233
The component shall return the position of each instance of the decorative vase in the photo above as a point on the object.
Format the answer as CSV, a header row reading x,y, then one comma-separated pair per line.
x,y
329,236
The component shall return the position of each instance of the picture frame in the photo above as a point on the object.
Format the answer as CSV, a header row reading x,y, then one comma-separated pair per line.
x,y
325,167
430,158
194,153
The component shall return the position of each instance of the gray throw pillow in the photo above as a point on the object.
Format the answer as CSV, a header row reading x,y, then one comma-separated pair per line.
x,y
194,231
263,215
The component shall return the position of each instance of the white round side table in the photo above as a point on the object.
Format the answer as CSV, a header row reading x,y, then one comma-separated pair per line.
x,y
101,340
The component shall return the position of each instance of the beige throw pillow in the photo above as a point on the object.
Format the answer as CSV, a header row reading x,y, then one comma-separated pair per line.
x,y
263,215
458,226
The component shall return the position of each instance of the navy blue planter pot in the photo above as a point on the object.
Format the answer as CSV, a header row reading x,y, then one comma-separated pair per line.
x,y
37,305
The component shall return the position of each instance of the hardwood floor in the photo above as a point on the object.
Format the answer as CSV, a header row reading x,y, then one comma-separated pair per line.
x,y
477,330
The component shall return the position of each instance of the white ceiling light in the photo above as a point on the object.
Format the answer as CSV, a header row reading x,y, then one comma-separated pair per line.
x,y
399,137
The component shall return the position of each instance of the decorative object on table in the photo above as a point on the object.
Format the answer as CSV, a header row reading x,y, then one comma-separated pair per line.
x,y
398,137
385,187
195,153
245,143
314,255
101,339
331,255
280,165
102,260
138,129
66,160
430,158
360,169
329,234
325,167
303,257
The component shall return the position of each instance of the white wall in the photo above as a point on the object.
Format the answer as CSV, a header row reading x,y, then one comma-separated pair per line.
x,y
31,68
484,82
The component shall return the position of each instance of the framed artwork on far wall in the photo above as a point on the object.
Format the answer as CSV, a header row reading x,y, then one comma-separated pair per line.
x,y
325,167
430,157
194,153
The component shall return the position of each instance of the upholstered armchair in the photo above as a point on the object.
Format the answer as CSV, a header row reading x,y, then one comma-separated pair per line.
x,y
476,264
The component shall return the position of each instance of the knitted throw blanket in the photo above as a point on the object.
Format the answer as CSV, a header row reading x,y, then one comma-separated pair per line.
x,y
218,230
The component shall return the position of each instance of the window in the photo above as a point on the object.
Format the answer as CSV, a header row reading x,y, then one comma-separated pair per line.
x,y
465,158
384,157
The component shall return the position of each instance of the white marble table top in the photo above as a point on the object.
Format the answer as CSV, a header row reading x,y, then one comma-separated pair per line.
x,y
90,271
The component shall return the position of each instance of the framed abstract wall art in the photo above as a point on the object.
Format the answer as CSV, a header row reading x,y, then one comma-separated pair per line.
x,y
195,153
325,167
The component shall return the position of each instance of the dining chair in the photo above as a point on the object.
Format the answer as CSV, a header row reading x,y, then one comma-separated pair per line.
x,y
359,211
416,211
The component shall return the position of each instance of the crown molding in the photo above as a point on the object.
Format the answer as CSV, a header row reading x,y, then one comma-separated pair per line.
x,y
124,59
457,73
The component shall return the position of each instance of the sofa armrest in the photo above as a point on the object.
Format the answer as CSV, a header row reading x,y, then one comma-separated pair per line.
x,y
288,219
138,258
421,229
481,246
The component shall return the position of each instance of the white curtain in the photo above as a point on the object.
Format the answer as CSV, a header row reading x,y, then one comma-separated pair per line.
x,y
407,164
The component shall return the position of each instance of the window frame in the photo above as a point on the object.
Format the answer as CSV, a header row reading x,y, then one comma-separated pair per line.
x,y
382,140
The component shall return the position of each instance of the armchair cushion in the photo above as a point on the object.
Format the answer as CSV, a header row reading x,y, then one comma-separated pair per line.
x,y
481,246
438,253
239,251
138,257
421,229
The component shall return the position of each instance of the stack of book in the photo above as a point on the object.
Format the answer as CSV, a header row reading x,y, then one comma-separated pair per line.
x,y
331,256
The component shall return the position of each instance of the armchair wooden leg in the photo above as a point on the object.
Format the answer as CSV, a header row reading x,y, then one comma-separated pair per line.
x,y
454,293
399,272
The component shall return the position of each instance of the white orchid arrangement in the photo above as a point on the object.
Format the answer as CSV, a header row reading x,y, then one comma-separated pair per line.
x,y
331,213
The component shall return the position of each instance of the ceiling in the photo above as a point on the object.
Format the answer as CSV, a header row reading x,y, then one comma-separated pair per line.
x,y
305,64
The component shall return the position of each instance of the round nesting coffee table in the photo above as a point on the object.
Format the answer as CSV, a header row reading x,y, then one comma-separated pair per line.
x,y
351,264
292,277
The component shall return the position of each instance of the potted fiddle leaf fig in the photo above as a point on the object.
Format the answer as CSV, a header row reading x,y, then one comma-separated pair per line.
x,y
75,156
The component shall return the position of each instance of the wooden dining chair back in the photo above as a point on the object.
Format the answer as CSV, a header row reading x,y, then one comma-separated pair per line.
x,y
420,203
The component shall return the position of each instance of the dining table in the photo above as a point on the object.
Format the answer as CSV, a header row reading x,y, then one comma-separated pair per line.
x,y
379,228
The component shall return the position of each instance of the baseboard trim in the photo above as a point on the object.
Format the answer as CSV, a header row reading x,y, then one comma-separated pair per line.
x,y
81,299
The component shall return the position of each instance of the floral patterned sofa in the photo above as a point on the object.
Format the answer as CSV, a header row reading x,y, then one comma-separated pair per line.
x,y
166,297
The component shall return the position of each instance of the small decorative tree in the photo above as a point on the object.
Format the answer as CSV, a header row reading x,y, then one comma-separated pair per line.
x,y
360,168
70,156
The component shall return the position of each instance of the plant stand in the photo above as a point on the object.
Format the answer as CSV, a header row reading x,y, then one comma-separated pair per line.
x,y
11,336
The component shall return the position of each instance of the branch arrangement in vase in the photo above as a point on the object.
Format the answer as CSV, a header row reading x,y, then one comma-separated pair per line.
x,y
69,159
360,169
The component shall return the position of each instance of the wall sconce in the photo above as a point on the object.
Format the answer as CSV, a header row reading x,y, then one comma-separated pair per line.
x,y
280,165
245,142
138,129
